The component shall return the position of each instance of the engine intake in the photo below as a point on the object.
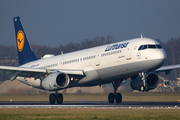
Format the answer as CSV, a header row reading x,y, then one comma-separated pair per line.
x,y
55,81
62,80
152,82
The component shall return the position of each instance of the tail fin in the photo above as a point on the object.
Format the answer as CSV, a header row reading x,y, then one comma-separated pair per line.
x,y
25,52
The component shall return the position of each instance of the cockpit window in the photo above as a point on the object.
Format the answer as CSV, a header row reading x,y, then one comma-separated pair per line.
x,y
143,47
152,46
140,47
159,46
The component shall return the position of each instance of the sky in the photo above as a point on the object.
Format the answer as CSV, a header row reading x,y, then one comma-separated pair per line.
x,y
55,22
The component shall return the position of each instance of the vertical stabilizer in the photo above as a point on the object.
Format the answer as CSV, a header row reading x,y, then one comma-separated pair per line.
x,y
25,52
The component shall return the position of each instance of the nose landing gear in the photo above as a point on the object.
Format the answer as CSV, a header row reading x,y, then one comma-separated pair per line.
x,y
144,87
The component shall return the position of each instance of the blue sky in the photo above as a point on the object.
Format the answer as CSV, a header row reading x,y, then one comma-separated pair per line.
x,y
54,22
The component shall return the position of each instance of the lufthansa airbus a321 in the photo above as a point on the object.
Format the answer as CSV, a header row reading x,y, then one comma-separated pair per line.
x,y
139,59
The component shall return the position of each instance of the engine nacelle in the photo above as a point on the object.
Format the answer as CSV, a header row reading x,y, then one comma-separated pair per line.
x,y
55,81
152,82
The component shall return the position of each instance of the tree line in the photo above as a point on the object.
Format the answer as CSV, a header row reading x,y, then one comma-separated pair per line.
x,y
9,55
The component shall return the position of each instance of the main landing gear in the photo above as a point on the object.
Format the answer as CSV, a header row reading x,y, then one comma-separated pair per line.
x,y
115,96
56,97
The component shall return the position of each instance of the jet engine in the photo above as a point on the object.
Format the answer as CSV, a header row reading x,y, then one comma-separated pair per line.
x,y
55,81
152,82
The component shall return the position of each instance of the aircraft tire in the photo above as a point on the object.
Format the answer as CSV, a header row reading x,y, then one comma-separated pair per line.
x,y
52,98
118,98
147,88
59,98
111,98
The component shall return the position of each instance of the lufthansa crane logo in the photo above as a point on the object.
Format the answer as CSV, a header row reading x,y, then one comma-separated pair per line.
x,y
20,40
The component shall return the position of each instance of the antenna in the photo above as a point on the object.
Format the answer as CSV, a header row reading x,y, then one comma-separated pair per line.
x,y
61,52
141,36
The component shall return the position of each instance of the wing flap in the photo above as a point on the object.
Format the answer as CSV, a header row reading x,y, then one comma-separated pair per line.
x,y
34,72
21,71
9,69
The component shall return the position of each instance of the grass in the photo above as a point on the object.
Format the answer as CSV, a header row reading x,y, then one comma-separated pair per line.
x,y
139,96
87,113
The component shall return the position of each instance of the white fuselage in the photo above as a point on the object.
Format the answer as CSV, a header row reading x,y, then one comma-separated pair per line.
x,y
105,63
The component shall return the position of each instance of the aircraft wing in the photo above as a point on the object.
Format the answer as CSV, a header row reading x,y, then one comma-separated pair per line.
x,y
34,72
167,69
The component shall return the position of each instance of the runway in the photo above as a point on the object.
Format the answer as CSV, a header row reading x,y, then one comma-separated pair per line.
x,y
93,104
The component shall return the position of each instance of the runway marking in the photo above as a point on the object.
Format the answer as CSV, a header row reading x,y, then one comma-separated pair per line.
x,y
93,104
86,106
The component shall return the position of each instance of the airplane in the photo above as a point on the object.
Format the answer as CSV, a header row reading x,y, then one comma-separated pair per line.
x,y
140,59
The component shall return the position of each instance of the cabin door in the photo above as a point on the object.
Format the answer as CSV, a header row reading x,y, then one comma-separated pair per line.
x,y
128,50
97,62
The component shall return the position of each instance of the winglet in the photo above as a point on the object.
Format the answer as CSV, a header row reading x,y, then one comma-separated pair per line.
x,y
25,52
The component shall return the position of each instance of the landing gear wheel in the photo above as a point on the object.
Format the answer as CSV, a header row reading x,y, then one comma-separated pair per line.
x,y
52,98
118,98
146,88
59,98
142,88
111,98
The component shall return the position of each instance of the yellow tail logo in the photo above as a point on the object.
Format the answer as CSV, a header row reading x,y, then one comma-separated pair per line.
x,y
20,40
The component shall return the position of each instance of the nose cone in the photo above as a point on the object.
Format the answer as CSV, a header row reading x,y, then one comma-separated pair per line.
x,y
159,56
